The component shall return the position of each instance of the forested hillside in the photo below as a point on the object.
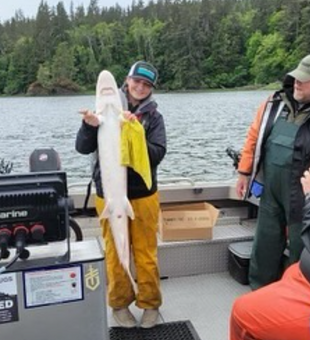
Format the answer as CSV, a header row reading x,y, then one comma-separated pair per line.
x,y
198,44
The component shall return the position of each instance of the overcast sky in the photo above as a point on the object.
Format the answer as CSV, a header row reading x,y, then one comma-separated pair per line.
x,y
30,7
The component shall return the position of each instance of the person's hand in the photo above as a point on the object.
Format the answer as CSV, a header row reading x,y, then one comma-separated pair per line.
x,y
305,182
89,117
129,116
241,186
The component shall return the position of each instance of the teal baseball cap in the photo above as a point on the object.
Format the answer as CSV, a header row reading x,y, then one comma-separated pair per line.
x,y
145,71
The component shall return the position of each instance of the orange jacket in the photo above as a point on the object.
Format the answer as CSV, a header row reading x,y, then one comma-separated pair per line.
x,y
245,166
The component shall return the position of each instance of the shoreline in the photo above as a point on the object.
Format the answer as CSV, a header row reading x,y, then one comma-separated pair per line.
x,y
270,87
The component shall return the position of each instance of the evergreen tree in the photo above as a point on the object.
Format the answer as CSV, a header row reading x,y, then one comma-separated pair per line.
x,y
268,64
60,24
194,44
43,34
22,68
63,63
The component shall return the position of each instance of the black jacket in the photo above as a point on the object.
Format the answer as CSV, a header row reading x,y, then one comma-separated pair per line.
x,y
155,133
301,153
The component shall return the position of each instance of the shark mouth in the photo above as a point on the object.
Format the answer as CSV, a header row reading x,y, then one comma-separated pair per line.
x,y
107,91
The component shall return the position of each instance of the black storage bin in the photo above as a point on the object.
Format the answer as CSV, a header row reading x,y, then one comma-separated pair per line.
x,y
239,261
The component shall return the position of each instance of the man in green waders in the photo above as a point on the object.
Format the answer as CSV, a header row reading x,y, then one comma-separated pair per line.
x,y
274,157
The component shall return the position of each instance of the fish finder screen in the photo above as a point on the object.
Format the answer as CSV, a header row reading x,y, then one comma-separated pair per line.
x,y
36,204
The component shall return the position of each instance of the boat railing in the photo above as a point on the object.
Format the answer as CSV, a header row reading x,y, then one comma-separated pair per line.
x,y
161,181
173,180
78,185
171,190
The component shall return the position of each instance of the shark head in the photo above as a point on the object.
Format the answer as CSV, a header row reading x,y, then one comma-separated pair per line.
x,y
107,92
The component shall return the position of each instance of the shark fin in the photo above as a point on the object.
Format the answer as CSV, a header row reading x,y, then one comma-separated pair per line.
x,y
128,209
106,211
122,118
101,119
133,283
126,266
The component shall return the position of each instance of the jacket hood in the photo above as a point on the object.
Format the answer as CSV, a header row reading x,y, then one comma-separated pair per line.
x,y
288,87
287,92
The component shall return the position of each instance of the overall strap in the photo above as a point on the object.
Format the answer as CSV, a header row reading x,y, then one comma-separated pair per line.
x,y
271,113
274,107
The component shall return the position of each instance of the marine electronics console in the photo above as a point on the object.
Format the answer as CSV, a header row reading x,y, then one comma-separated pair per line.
x,y
34,209
50,286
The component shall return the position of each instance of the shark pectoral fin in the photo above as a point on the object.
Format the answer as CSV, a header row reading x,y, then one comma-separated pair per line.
x,y
106,211
128,209
101,119
122,120
121,116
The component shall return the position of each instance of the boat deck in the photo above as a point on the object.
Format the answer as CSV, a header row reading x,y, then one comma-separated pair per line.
x,y
195,281
205,300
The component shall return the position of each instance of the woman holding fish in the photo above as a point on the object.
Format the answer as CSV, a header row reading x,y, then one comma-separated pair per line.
x,y
140,201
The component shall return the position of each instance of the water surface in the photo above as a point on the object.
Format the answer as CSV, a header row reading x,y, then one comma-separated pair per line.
x,y
200,126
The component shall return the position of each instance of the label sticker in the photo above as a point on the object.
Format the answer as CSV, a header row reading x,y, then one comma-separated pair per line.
x,y
8,298
53,286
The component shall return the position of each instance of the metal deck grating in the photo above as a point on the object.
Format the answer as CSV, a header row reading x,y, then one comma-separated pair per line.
x,y
180,330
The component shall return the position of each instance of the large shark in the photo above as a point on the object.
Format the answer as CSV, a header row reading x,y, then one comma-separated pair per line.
x,y
113,174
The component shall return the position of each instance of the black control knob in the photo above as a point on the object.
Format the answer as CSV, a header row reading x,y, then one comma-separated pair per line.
x,y
37,232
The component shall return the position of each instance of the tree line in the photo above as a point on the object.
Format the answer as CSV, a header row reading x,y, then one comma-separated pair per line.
x,y
195,44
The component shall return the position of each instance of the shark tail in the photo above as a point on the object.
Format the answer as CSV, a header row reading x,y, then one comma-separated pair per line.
x,y
133,282
125,262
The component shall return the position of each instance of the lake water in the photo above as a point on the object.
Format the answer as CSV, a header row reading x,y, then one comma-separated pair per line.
x,y
200,126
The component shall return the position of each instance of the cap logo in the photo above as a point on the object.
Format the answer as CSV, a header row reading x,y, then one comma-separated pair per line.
x,y
146,72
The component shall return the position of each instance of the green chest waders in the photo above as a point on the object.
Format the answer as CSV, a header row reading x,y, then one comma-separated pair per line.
x,y
273,225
